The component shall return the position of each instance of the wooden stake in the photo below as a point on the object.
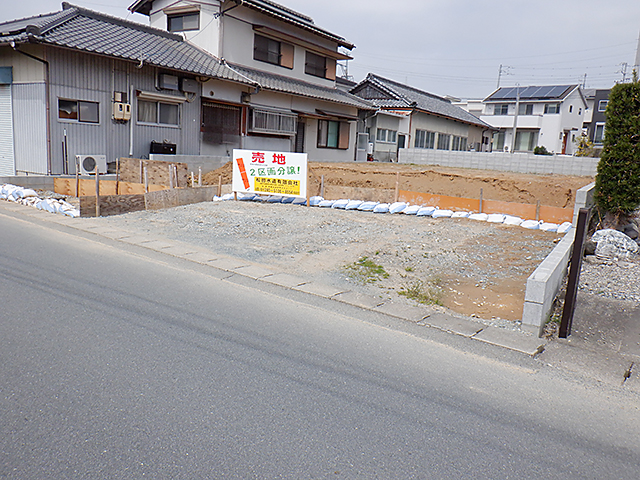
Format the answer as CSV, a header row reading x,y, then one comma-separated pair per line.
x,y
118,176
397,194
481,192
77,177
199,176
146,180
170,176
538,211
175,175
322,186
97,192
193,182
140,172
220,186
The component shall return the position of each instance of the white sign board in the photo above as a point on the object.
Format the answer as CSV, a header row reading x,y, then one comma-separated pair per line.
x,y
272,173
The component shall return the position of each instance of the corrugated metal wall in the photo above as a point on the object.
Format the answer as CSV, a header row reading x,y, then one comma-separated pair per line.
x,y
30,127
78,76
6,132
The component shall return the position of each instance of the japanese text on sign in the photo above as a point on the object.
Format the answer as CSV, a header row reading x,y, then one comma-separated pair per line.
x,y
278,173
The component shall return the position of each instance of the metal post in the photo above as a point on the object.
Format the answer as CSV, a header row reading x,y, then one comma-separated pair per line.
x,y
574,272
97,192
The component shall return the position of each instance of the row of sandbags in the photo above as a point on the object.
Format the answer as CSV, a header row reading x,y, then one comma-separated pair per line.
x,y
404,208
30,198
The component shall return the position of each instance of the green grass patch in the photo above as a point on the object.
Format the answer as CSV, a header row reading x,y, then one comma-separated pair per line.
x,y
366,271
426,293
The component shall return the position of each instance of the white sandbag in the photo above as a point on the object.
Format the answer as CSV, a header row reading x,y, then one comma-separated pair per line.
x,y
565,227
299,201
397,207
460,215
482,217
287,199
511,220
223,198
381,208
411,210
425,211
353,204
549,227
49,205
28,192
442,214
326,203
315,200
495,218
531,224
342,203
245,197
367,206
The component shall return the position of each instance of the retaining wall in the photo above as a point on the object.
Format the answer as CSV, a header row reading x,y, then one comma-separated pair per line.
x,y
206,162
507,162
545,282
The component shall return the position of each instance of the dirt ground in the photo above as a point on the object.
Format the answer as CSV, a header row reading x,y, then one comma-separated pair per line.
x,y
377,181
487,272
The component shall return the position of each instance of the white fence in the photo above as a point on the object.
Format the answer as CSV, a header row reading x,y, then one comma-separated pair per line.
x,y
507,162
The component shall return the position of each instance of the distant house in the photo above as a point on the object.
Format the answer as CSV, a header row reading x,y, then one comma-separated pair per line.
x,y
78,82
545,116
408,117
594,120
294,103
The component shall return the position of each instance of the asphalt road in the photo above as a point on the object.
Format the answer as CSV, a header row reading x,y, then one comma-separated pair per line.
x,y
121,363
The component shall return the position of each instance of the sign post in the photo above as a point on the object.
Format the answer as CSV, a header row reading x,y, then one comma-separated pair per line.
x,y
271,173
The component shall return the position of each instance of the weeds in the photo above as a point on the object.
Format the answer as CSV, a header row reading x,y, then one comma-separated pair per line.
x,y
429,293
366,271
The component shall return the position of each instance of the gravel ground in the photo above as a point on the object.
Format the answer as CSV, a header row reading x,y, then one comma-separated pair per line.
x,y
474,268
616,280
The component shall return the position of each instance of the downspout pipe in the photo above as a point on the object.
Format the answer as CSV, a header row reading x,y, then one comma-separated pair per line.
x,y
47,100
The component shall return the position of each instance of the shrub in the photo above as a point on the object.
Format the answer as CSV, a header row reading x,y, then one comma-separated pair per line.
x,y
542,150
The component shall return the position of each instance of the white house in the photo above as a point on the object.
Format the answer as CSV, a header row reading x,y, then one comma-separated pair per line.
x,y
292,103
528,117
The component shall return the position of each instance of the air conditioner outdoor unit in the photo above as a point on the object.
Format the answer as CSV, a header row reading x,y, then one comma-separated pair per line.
x,y
88,163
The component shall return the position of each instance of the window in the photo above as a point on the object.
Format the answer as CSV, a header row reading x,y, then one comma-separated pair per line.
x,y
498,141
551,108
272,51
444,141
158,113
459,143
602,105
315,65
526,140
279,123
78,110
384,135
333,134
598,134
184,22
424,139
501,109
220,124
570,108
525,109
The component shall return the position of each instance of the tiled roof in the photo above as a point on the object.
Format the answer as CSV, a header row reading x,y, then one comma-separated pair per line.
x,y
398,95
92,32
278,83
272,9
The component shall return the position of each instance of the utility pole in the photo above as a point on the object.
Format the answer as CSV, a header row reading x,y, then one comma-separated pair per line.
x,y
502,69
515,119
624,71
584,81
636,65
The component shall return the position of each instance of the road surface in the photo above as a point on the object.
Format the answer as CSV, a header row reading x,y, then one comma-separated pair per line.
x,y
117,362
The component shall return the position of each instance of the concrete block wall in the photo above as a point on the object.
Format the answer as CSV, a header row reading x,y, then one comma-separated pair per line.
x,y
40,182
206,162
545,282
501,161
584,199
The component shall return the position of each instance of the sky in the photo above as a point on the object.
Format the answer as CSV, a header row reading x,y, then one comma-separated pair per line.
x,y
459,48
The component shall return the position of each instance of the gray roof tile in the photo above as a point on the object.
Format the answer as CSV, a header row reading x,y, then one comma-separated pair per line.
x,y
398,95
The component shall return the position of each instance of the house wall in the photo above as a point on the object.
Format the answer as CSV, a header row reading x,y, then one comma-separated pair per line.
x,y
29,108
78,76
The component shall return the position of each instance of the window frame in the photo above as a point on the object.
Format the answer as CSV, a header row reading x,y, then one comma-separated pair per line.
x,y
502,107
311,69
262,54
78,117
442,138
600,105
596,127
341,130
548,109
425,139
157,121
172,17
525,109
459,144
385,135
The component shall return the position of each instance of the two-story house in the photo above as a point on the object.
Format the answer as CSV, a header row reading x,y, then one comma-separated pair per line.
x,y
409,117
527,117
594,120
293,103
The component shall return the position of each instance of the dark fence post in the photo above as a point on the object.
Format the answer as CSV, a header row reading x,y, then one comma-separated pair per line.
x,y
574,272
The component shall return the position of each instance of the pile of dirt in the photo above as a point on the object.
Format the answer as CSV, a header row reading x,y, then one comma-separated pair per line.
x,y
377,182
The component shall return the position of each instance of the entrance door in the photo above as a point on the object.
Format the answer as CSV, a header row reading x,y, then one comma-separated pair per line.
x,y
299,141
565,139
